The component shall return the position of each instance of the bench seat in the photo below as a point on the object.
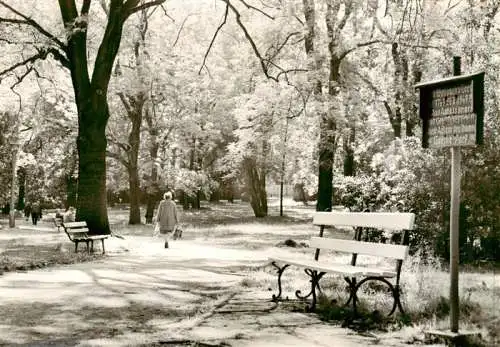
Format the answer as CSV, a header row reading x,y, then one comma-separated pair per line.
x,y
342,269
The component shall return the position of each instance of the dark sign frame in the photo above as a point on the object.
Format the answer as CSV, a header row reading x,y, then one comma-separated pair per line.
x,y
426,102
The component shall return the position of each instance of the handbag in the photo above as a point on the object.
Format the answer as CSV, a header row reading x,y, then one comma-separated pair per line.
x,y
156,229
177,232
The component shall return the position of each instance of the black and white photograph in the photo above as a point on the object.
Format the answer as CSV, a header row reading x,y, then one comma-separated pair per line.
x,y
250,173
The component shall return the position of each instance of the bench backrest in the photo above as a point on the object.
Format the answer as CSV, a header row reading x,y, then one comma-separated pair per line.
x,y
75,229
75,225
360,220
379,220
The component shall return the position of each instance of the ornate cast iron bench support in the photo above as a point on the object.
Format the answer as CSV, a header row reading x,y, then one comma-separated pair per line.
x,y
354,286
280,271
315,278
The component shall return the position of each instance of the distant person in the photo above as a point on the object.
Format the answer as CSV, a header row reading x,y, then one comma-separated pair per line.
x,y
36,212
166,217
69,215
59,214
27,211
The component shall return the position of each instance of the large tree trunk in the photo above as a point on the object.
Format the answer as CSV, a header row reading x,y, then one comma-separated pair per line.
x,y
326,156
134,106
152,190
349,163
255,180
135,192
327,125
92,106
395,113
91,144
21,181
71,190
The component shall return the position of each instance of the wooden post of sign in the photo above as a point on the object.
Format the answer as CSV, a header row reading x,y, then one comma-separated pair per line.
x,y
453,335
454,220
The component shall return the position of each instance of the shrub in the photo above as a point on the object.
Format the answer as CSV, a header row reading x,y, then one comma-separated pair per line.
x,y
406,177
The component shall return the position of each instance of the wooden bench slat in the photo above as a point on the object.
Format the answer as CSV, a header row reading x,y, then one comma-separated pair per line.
x,y
97,237
347,270
79,230
361,247
382,220
75,224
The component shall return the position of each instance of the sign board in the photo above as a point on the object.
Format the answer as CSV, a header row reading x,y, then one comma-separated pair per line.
x,y
452,111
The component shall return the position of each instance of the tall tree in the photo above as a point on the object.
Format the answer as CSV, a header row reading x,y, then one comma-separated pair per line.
x,y
91,90
133,97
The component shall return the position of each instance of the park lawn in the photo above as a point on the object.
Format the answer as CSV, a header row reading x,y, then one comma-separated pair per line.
x,y
425,283
23,250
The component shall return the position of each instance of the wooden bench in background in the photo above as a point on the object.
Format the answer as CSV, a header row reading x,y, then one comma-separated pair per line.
x,y
78,232
353,274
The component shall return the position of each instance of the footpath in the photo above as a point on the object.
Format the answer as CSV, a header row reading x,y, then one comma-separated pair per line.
x,y
144,295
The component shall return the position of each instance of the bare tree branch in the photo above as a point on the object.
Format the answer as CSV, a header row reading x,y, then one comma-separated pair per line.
x,y
166,13
359,45
249,39
20,79
180,30
219,28
131,6
265,63
41,55
125,103
280,47
34,24
256,9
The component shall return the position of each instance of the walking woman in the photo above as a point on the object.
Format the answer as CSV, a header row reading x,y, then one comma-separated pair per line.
x,y
166,217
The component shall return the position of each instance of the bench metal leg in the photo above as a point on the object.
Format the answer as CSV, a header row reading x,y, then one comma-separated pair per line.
x,y
91,246
76,246
315,278
279,270
102,240
88,249
352,291
394,289
396,292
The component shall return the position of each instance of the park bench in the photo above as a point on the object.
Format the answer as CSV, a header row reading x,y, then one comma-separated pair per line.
x,y
78,232
353,274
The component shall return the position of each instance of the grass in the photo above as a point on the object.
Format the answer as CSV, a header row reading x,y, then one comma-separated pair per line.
x,y
424,281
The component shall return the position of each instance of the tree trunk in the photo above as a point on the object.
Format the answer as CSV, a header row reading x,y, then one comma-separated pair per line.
x,y
71,190
135,191
326,156
256,187
21,181
92,105
349,164
134,111
327,125
394,119
152,189
91,144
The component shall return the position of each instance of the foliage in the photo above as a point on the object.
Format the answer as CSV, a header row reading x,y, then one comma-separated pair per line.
x,y
406,177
